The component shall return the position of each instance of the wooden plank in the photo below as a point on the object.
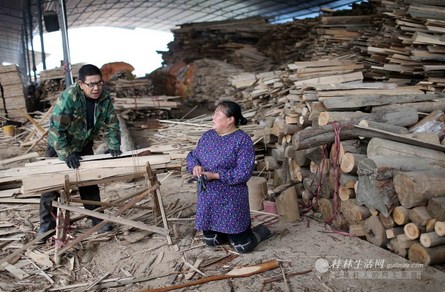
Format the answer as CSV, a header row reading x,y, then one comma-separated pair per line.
x,y
117,162
330,79
356,85
51,161
320,63
54,181
423,38
19,158
15,271
9,192
411,90
19,201
370,132
376,99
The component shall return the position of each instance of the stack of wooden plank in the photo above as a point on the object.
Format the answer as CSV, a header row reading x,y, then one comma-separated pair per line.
x,y
230,40
410,44
59,72
49,174
52,82
13,91
289,42
339,36
129,87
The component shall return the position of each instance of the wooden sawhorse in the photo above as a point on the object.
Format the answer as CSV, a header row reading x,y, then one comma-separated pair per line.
x,y
63,216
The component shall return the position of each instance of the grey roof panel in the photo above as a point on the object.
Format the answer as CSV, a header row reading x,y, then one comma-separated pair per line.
x,y
151,14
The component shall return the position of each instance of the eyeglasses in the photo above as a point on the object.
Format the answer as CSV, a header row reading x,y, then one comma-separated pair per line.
x,y
93,84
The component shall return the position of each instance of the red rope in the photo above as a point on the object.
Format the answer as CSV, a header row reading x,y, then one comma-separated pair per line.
x,y
335,200
313,203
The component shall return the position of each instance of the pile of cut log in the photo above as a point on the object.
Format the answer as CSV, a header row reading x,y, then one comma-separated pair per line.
x,y
13,93
359,150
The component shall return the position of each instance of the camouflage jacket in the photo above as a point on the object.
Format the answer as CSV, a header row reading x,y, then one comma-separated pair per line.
x,y
68,132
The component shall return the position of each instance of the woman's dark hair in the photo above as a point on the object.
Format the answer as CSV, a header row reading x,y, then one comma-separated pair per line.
x,y
232,109
88,70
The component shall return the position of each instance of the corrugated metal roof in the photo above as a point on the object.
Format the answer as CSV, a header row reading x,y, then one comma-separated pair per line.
x,y
19,17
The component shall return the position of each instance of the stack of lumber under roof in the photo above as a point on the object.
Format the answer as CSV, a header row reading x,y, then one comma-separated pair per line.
x,y
13,92
410,45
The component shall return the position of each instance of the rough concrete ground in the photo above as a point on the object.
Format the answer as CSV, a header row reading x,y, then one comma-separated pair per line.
x,y
312,256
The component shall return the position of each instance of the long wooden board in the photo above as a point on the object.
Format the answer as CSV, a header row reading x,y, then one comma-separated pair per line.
x,y
135,162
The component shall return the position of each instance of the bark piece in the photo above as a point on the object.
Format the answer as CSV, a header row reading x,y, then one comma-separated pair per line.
x,y
419,215
375,188
287,205
433,123
357,230
404,241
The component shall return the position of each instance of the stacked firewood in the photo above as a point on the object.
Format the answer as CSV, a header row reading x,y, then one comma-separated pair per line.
x,y
356,149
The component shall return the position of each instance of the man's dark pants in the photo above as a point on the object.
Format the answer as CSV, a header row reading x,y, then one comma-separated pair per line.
x,y
48,212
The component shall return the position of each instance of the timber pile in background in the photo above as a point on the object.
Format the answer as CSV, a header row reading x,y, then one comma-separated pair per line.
x,y
13,94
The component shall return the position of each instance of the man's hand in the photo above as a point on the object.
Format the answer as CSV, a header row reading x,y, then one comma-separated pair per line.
x,y
114,153
73,160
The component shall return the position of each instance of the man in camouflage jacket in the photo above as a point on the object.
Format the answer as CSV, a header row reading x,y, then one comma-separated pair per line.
x,y
81,112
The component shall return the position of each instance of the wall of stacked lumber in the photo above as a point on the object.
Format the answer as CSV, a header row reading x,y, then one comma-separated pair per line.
x,y
396,42
52,82
230,40
410,43
13,92
134,100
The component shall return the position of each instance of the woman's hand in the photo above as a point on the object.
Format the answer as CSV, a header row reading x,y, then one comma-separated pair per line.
x,y
211,175
198,170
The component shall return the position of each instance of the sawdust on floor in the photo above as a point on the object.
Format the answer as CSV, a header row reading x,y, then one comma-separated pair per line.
x,y
311,256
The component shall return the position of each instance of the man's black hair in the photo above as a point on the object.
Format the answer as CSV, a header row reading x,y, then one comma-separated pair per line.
x,y
88,70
